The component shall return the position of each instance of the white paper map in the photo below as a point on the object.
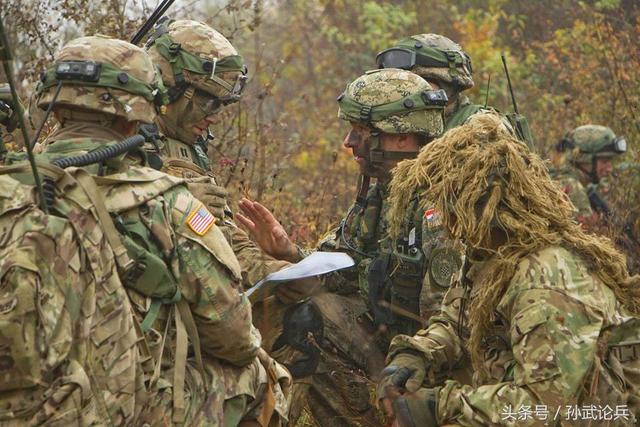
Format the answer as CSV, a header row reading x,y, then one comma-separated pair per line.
x,y
316,264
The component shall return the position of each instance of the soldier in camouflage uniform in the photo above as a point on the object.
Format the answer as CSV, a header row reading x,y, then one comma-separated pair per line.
x,y
444,64
547,313
169,338
8,119
569,180
204,73
393,113
595,147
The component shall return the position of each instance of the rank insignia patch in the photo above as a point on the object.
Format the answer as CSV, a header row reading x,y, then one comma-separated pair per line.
x,y
200,221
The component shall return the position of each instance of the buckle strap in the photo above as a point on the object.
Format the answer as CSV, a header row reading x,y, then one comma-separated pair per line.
x,y
625,352
365,113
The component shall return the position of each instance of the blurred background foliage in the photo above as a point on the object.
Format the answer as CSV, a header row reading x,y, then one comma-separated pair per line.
x,y
572,62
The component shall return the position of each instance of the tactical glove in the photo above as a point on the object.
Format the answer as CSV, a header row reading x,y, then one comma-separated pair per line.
x,y
212,195
417,409
406,371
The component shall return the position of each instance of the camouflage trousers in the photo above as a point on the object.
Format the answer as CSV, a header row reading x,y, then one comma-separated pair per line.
x,y
340,392
254,395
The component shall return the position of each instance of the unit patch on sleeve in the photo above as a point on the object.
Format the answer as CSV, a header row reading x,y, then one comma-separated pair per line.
x,y
200,220
433,217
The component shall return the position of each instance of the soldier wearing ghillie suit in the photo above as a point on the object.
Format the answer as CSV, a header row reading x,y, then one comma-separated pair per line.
x,y
170,339
444,64
393,113
547,313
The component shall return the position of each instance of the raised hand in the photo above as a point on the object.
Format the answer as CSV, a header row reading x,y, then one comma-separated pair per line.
x,y
266,230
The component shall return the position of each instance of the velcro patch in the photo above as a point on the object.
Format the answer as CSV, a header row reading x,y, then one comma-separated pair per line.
x,y
433,217
200,220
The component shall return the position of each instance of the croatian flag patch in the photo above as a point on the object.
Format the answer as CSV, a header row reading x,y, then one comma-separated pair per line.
x,y
433,217
200,221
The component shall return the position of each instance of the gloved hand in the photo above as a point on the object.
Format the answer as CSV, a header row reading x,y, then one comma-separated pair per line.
x,y
405,372
212,195
417,409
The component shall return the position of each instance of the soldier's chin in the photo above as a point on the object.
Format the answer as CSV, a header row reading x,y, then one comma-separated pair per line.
x,y
197,131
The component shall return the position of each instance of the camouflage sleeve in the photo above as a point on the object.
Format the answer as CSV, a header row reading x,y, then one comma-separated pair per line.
x,y
440,342
209,276
554,336
578,196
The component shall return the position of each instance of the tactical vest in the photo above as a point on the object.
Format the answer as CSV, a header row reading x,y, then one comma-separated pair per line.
x,y
180,159
389,280
516,123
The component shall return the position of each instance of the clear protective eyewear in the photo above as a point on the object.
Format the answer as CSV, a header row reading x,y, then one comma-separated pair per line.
x,y
207,103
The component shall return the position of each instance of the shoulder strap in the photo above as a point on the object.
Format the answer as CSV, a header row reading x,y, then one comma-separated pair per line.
x,y
89,186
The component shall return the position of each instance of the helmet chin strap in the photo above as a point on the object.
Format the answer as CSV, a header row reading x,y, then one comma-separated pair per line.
x,y
377,155
593,173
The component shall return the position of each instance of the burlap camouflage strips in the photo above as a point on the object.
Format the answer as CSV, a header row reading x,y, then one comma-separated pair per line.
x,y
549,345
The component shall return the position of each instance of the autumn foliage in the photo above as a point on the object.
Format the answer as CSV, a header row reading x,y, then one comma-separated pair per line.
x,y
572,62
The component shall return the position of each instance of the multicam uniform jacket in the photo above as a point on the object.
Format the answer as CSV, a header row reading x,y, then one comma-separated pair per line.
x,y
157,212
561,339
190,161
575,190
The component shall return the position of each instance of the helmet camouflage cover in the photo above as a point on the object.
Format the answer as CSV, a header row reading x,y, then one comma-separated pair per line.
x,y
437,58
594,141
394,101
192,53
126,84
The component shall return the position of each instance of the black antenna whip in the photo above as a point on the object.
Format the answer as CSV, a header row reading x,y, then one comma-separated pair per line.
x,y
6,57
506,72
151,20
486,96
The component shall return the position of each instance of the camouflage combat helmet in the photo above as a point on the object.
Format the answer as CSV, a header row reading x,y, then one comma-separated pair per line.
x,y
585,144
190,53
103,75
592,141
431,56
394,101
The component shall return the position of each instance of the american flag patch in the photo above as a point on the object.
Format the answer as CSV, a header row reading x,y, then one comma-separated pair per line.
x,y
200,221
